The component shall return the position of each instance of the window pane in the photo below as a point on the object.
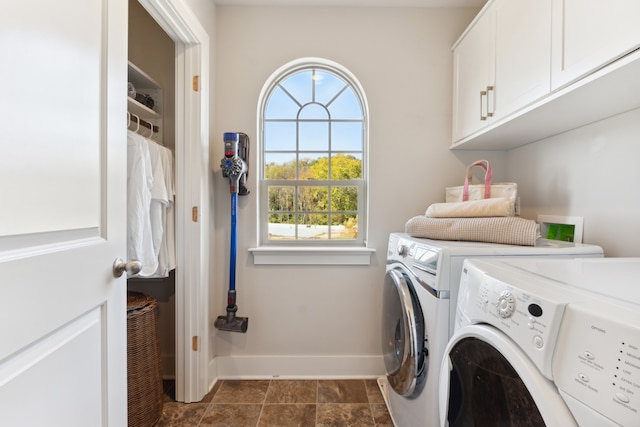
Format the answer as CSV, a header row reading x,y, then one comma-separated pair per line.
x,y
281,227
313,166
299,85
346,166
314,136
327,86
313,199
280,198
313,226
281,106
344,199
346,106
347,230
314,112
279,136
346,136
280,166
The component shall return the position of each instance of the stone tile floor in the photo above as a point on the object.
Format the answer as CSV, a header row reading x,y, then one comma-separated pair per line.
x,y
281,403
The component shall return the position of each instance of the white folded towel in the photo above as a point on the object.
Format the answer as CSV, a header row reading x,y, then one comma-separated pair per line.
x,y
498,206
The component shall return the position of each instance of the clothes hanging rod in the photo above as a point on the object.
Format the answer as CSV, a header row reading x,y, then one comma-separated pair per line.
x,y
134,118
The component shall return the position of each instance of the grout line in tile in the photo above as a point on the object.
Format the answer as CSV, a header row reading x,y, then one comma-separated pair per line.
x,y
370,404
264,400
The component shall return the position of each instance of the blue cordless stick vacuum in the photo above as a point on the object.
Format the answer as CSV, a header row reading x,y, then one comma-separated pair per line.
x,y
234,166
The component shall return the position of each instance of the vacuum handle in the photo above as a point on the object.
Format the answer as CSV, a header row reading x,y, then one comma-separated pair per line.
x,y
234,238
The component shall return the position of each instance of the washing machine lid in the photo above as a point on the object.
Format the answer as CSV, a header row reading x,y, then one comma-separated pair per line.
x,y
615,278
402,334
478,346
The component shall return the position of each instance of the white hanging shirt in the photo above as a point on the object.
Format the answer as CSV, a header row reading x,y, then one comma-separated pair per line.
x,y
167,256
139,184
159,195
162,217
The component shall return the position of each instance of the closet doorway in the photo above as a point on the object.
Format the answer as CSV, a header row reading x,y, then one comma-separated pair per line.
x,y
170,46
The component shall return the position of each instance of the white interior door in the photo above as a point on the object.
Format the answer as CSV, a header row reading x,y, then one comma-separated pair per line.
x,y
62,213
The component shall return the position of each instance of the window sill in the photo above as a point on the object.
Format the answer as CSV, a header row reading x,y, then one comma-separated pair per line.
x,y
288,255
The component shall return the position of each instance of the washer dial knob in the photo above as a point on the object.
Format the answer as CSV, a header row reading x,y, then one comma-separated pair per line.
x,y
506,304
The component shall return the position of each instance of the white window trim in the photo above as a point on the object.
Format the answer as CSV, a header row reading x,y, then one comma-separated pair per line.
x,y
326,253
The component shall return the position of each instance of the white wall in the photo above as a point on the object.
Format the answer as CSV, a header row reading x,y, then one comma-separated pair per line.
x,y
402,58
591,172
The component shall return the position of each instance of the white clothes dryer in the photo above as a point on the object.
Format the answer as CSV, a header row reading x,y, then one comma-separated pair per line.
x,y
544,343
420,291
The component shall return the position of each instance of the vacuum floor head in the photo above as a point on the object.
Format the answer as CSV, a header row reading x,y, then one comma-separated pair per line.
x,y
232,323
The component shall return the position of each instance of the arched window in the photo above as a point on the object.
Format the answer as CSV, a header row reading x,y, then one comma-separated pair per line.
x,y
313,139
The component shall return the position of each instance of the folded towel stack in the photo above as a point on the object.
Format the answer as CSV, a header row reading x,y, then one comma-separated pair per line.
x,y
487,220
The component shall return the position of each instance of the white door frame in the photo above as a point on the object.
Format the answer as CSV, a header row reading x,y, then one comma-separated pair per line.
x,y
192,187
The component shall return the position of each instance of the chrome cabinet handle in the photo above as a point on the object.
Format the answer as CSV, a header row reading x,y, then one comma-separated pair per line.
x,y
131,267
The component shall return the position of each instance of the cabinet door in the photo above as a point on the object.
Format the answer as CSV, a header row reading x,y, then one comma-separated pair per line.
x,y
473,72
588,34
523,54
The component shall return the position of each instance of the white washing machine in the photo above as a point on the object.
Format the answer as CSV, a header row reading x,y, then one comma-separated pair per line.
x,y
544,342
420,291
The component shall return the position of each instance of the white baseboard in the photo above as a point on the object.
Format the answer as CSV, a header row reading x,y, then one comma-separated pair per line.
x,y
295,367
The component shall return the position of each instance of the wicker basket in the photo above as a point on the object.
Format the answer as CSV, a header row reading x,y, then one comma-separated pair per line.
x,y
144,369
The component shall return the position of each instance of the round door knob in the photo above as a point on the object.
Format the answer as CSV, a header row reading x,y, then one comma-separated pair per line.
x,y
131,267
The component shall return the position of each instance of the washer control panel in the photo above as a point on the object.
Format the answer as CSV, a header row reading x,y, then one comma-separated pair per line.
x,y
414,255
506,304
527,317
597,361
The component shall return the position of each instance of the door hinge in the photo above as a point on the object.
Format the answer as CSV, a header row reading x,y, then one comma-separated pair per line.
x,y
194,343
194,214
196,83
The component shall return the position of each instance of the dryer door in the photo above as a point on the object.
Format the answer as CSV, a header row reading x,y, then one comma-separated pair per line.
x,y
487,380
402,334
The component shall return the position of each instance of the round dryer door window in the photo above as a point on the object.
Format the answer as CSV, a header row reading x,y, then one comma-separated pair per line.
x,y
402,334
487,380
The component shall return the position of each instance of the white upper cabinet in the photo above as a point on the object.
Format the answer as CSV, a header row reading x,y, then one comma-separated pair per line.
x,y
474,76
589,34
523,37
501,63
557,65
